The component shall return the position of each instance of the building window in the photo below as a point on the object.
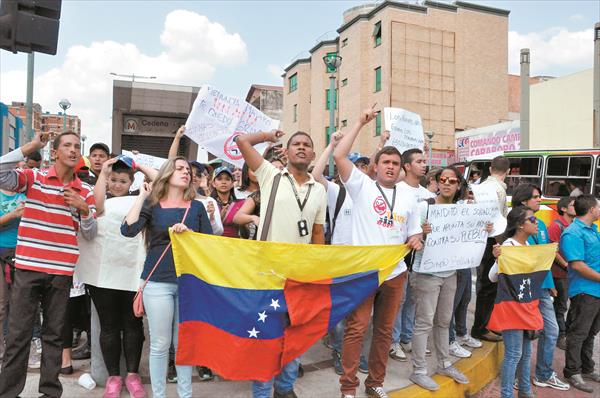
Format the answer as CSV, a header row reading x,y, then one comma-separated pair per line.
x,y
293,82
344,123
377,33
378,125
378,79
295,113
345,42
344,82
334,99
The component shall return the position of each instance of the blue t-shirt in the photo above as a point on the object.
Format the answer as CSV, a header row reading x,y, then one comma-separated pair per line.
x,y
541,239
157,221
8,231
581,242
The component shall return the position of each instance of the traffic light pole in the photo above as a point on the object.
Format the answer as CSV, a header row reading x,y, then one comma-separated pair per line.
x,y
29,104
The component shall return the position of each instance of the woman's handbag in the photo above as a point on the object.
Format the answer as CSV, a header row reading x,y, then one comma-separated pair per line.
x,y
138,303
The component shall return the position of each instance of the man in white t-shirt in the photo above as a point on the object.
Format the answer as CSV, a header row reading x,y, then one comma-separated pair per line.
x,y
381,215
414,164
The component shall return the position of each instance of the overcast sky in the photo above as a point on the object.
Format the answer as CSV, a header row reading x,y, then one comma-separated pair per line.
x,y
233,44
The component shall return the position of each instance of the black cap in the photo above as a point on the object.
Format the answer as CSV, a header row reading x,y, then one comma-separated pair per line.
x,y
100,145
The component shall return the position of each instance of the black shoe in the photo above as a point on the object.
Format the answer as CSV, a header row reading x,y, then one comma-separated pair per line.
x,y
172,373
84,352
205,373
67,370
300,373
578,382
337,363
289,394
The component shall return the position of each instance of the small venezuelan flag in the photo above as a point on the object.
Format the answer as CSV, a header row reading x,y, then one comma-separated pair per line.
x,y
247,308
521,271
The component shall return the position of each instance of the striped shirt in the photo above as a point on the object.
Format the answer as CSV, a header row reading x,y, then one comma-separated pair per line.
x,y
47,237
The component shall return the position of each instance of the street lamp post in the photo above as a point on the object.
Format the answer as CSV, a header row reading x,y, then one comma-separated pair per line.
x,y
64,104
332,63
430,135
83,138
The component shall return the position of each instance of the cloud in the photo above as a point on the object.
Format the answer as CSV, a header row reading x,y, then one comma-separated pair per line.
x,y
276,71
553,51
193,48
576,17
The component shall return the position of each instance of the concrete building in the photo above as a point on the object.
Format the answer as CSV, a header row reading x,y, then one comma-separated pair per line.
x,y
514,93
54,122
18,109
447,62
561,112
147,115
267,99
12,130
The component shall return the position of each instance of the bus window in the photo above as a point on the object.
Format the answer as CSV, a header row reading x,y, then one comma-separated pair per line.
x,y
567,176
523,170
597,183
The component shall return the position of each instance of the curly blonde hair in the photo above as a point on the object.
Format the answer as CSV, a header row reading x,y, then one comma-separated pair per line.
x,y
160,185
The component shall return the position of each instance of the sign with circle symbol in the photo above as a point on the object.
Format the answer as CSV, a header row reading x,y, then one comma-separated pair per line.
x,y
230,147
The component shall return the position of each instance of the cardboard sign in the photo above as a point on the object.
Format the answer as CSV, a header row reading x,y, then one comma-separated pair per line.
x,y
216,120
458,237
486,195
145,160
406,129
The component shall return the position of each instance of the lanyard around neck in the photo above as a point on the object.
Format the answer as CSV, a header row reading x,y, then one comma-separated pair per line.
x,y
390,206
303,203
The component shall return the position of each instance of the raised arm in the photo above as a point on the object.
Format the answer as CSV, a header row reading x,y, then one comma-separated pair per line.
x,y
246,142
149,172
100,187
9,177
176,140
340,154
323,160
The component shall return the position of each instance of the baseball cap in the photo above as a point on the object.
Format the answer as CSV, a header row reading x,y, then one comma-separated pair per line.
x,y
126,161
222,169
362,159
100,145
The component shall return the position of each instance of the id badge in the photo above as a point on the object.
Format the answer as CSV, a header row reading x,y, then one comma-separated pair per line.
x,y
303,228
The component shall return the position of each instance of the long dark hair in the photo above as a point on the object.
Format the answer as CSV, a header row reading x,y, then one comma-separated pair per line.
x,y
215,194
522,193
245,183
516,217
462,184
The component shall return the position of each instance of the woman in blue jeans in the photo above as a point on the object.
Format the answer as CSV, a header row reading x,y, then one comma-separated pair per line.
x,y
167,203
521,224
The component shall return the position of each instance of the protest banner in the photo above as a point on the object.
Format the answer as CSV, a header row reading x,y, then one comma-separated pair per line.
x,y
405,127
488,140
216,120
457,239
486,195
144,160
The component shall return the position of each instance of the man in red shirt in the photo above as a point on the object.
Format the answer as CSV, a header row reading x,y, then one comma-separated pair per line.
x,y
58,208
566,214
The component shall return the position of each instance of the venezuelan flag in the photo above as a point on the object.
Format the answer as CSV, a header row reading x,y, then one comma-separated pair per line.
x,y
521,271
247,308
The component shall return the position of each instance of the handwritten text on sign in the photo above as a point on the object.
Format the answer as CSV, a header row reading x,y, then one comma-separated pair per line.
x,y
457,239
406,129
486,195
217,119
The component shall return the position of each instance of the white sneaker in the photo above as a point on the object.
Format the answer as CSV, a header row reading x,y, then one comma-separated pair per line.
x,y
397,353
458,351
469,341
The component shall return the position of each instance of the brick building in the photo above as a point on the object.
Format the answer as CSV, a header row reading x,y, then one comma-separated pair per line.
x,y
267,99
18,109
447,62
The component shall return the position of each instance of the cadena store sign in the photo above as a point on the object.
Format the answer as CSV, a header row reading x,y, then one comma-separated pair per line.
x,y
150,125
491,139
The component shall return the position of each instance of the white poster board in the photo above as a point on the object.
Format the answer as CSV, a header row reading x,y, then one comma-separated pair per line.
x,y
216,120
487,195
457,239
405,127
145,160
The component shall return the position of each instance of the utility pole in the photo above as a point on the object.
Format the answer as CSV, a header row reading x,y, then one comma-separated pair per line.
x,y
29,100
524,111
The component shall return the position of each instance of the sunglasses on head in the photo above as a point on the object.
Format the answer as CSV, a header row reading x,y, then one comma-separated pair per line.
x,y
532,219
449,180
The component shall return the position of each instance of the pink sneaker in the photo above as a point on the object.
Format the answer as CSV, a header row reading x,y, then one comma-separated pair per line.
x,y
113,387
135,387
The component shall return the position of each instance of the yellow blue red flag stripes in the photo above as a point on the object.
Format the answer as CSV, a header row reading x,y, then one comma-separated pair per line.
x,y
521,271
246,308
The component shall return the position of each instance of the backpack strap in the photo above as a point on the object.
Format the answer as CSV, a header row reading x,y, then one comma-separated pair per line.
x,y
269,214
338,206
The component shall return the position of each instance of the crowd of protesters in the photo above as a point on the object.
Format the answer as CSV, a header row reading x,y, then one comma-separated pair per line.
x,y
48,214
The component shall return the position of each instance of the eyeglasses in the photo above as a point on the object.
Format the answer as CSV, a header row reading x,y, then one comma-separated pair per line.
x,y
449,180
532,219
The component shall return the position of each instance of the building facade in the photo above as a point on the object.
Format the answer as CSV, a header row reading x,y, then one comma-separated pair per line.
x,y
267,99
147,115
12,130
446,62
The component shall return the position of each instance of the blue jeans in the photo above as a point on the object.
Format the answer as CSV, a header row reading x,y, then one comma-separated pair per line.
x,y
462,297
337,337
547,341
517,351
161,302
284,381
405,320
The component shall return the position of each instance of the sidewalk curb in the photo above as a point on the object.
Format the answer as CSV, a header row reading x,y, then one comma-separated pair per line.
x,y
483,367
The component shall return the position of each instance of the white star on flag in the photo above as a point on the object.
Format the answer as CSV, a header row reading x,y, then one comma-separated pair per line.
x,y
520,296
262,316
253,333
274,304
